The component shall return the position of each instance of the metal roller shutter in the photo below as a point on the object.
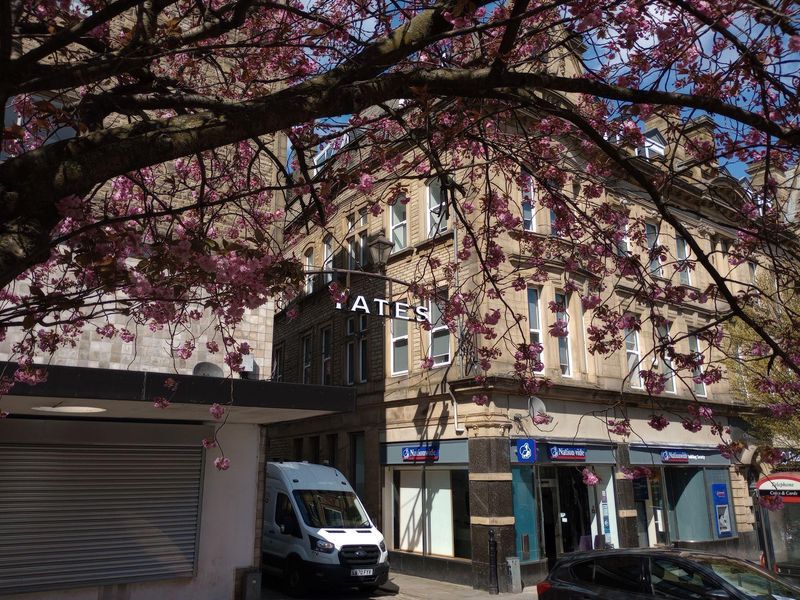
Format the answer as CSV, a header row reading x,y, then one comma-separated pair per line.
x,y
74,515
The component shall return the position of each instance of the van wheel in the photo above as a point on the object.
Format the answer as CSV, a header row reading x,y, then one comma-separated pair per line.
x,y
293,579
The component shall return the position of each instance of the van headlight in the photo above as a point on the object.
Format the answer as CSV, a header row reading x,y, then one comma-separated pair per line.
x,y
319,545
383,546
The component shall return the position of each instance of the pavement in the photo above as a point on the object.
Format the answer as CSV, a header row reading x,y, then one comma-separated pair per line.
x,y
400,587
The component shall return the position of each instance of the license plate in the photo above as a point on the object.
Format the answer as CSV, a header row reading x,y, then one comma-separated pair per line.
x,y
360,572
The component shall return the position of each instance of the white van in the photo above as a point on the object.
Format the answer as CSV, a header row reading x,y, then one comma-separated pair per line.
x,y
316,531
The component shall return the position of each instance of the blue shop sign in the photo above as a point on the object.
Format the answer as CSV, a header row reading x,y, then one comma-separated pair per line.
x,y
576,453
674,456
526,450
722,509
420,453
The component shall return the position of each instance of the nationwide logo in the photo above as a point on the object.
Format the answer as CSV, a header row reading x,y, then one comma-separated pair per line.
x,y
421,454
567,453
674,456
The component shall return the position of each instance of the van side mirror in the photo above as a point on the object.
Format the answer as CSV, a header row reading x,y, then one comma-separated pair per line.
x,y
282,527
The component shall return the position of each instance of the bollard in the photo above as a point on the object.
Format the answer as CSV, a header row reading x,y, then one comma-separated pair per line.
x,y
493,586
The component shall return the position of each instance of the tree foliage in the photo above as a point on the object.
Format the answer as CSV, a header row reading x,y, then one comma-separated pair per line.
x,y
164,205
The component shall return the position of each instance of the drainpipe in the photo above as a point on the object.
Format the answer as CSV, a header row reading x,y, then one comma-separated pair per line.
x,y
459,428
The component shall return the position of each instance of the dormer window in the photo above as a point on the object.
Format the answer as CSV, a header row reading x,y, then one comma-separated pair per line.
x,y
654,145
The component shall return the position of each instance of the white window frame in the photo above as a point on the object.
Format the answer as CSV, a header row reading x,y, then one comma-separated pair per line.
x,y
352,253
653,146
326,355
632,351
663,337
395,340
682,248
438,325
278,363
363,249
440,225
537,331
308,351
552,217
563,342
310,277
401,225
657,272
327,265
363,217
694,348
526,204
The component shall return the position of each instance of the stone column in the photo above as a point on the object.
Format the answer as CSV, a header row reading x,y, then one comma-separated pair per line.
x,y
490,500
626,506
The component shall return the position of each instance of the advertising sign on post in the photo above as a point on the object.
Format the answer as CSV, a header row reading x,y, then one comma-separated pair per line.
x,y
722,509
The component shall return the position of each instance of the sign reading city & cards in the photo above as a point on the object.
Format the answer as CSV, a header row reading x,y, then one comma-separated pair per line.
x,y
385,308
420,453
575,453
784,485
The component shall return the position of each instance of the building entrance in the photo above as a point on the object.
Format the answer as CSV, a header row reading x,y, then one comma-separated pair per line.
x,y
568,511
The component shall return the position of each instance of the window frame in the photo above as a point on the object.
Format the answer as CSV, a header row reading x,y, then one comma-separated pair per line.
x,y
665,362
659,271
327,255
635,382
326,355
443,294
563,342
309,265
538,330
527,202
362,349
394,340
307,357
278,355
394,225
682,247
699,389
442,224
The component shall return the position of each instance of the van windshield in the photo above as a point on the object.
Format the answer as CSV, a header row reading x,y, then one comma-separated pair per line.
x,y
323,508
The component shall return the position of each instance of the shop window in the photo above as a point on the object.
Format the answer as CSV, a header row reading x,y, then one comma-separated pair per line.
x,y
694,347
683,260
563,342
686,493
651,233
623,573
633,357
399,346
437,208
439,338
534,319
527,201
399,226
526,513
307,352
326,352
432,512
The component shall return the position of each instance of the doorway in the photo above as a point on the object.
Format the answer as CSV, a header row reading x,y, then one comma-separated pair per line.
x,y
566,511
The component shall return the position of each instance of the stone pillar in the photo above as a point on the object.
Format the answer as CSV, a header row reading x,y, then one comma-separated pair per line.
x,y
626,506
490,495
742,501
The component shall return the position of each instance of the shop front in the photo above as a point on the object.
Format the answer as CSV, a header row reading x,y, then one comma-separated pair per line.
x,y
687,498
781,526
555,511
426,493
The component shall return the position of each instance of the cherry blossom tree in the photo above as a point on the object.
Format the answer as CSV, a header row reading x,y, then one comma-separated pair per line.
x,y
145,173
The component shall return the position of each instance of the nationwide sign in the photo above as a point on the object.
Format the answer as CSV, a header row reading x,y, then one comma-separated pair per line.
x,y
420,453
567,453
674,456
386,308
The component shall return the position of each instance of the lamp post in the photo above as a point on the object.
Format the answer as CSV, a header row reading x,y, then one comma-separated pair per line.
x,y
379,249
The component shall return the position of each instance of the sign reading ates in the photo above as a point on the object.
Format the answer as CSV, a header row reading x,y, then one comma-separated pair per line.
x,y
385,308
674,456
420,453
567,453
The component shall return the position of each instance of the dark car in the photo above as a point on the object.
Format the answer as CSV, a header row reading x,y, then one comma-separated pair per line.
x,y
650,573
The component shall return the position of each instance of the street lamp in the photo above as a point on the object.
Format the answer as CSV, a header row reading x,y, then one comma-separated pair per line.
x,y
379,249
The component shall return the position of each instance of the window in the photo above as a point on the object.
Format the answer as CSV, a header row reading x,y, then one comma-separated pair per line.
x,y
351,222
633,357
277,364
553,226
694,348
363,249
285,518
651,232
672,579
309,288
363,217
666,362
398,225
362,349
327,265
752,268
306,359
350,362
527,201
534,319
399,346
352,253
683,260
440,333
654,145
624,243
563,342
622,573
437,208
326,348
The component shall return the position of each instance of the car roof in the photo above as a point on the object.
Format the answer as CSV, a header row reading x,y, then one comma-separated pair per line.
x,y
663,552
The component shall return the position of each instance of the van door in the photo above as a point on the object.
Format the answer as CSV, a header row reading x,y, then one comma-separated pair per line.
x,y
287,526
